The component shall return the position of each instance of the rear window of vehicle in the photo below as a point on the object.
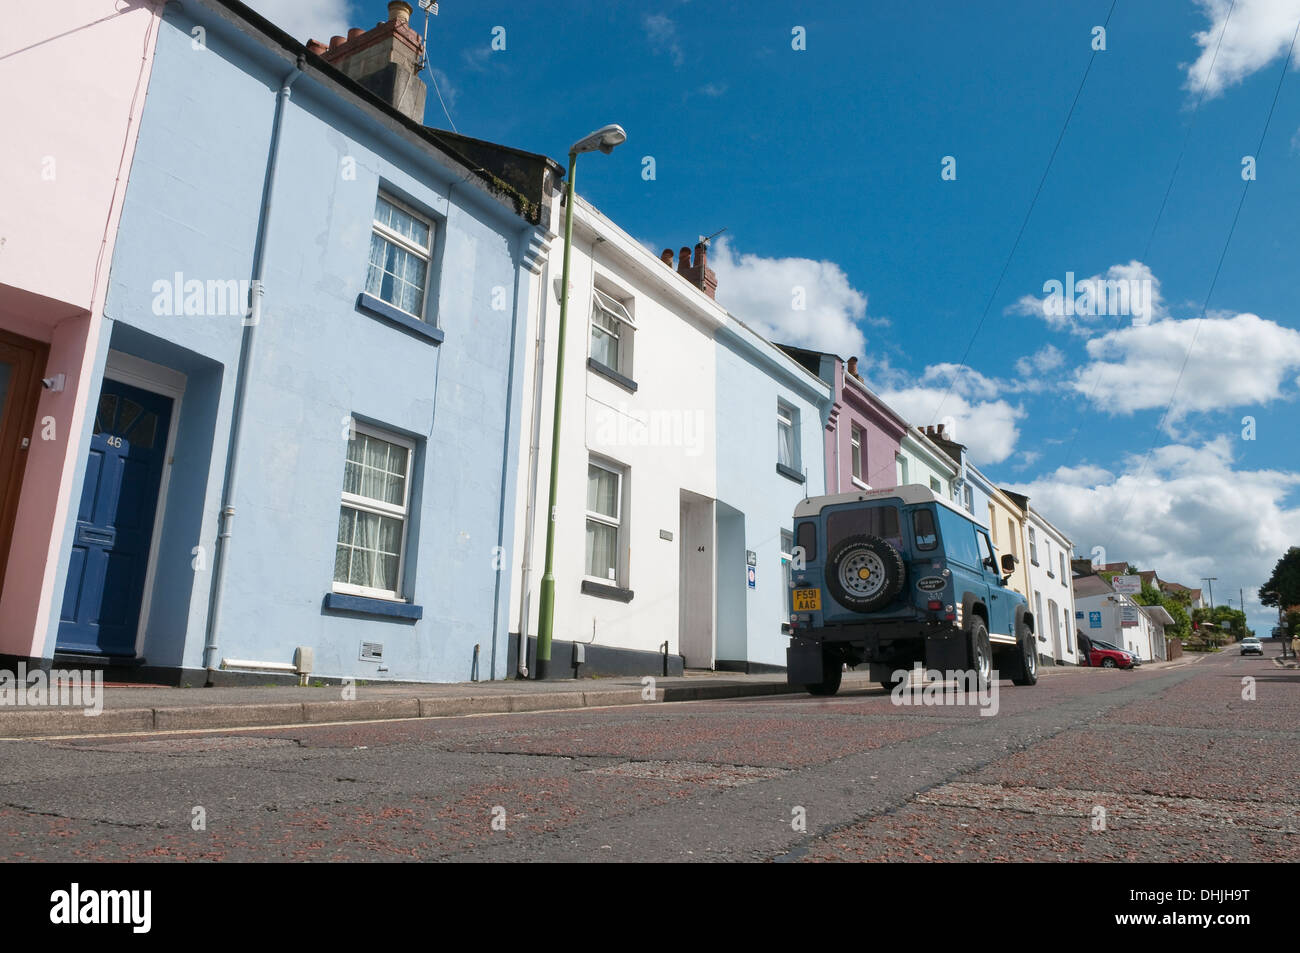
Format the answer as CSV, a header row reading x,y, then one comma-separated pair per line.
x,y
927,537
879,521
807,540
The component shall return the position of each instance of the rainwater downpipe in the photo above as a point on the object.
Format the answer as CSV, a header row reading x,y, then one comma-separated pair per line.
x,y
534,448
227,517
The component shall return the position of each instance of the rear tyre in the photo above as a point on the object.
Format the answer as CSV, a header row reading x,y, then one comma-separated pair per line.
x,y
832,673
981,654
1025,665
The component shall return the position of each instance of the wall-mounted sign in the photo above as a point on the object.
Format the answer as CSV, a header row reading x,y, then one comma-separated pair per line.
x,y
1127,585
751,575
1094,620
1128,617
751,558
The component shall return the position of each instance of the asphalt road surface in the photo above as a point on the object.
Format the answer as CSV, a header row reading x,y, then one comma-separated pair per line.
x,y
1170,764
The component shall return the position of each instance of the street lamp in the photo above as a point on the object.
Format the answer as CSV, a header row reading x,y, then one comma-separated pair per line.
x,y
603,140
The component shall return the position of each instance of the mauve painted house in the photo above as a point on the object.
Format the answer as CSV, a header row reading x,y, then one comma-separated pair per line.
x,y
74,75
862,431
303,413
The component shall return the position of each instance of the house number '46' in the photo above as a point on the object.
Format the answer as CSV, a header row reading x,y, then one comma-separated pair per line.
x,y
115,441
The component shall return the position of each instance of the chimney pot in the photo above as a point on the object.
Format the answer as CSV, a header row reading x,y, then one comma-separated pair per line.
x,y
684,260
315,46
667,257
355,32
701,256
399,12
336,42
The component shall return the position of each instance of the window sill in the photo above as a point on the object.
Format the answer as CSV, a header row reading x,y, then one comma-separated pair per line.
x,y
859,484
378,308
367,605
603,591
790,473
611,374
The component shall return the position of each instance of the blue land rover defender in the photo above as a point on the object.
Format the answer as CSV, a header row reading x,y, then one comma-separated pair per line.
x,y
899,576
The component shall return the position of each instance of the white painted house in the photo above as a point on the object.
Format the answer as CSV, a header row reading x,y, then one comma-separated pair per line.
x,y
1106,615
920,460
1047,553
636,477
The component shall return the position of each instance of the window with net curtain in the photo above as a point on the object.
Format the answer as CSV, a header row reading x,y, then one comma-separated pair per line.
x,y
604,520
372,515
785,443
400,246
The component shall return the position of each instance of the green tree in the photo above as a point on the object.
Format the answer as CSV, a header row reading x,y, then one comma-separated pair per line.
x,y
1292,623
1231,623
1283,587
1177,608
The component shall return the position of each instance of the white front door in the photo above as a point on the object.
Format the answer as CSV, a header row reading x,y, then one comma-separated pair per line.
x,y
695,593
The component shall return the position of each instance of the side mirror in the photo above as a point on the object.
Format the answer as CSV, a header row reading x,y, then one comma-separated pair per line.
x,y
1009,563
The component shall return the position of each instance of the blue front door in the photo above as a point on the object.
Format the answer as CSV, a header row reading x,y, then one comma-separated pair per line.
x,y
110,552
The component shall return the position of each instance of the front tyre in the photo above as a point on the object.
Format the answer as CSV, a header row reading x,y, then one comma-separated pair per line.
x,y
981,655
1025,665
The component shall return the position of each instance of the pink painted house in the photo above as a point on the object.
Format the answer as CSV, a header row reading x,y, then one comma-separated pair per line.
x,y
84,68
862,432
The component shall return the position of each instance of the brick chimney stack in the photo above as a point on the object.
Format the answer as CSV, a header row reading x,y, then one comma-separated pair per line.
x,y
699,273
385,60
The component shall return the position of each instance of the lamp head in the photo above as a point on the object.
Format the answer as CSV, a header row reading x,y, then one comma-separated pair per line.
x,y
603,139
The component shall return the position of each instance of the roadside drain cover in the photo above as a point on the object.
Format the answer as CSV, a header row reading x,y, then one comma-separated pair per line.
x,y
692,772
183,745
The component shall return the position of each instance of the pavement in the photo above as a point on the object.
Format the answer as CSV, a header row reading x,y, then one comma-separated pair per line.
x,y
135,708
143,708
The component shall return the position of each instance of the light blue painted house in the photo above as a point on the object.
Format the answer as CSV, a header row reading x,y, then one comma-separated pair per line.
x,y
770,455
309,393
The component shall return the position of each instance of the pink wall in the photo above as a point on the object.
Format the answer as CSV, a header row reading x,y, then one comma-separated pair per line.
x,y
881,432
64,159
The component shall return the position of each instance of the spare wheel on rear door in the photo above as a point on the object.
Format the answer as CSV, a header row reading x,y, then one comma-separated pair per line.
x,y
864,573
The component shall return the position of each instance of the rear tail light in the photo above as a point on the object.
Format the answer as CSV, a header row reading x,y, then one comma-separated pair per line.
x,y
934,604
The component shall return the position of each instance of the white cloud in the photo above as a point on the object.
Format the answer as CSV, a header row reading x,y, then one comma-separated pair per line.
x,y
1258,33
987,427
766,294
1045,360
661,31
309,19
1243,361
1188,514
1083,305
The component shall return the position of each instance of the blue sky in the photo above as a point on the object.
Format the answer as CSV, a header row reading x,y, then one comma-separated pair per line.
x,y
823,164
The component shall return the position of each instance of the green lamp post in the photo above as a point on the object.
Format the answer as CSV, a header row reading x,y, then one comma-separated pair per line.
x,y
604,140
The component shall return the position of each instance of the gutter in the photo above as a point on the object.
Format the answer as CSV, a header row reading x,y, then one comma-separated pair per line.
x,y
225,530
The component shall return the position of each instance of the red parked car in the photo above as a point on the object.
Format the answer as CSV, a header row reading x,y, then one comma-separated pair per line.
x,y
1105,655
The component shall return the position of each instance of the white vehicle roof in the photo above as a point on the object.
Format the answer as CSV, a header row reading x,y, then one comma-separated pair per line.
x,y
911,493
